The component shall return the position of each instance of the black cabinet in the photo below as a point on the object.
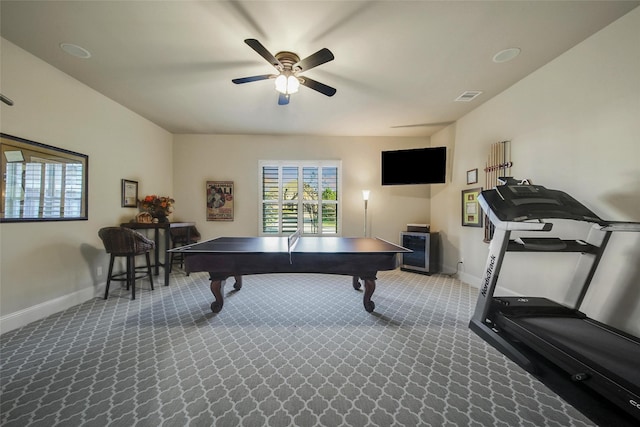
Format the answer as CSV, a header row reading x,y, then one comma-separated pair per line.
x,y
424,258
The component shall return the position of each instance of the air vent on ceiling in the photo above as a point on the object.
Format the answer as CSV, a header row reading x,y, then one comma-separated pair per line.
x,y
468,95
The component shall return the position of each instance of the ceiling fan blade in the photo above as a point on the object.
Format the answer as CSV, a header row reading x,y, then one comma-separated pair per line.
x,y
253,78
311,61
317,86
262,51
283,99
6,100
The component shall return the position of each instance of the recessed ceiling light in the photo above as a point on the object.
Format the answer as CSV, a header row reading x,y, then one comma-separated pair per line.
x,y
75,50
506,55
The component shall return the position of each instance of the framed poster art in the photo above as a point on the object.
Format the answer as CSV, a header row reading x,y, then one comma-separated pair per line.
x,y
129,194
471,212
220,200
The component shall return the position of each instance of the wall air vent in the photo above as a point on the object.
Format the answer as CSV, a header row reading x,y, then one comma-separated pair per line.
x,y
468,95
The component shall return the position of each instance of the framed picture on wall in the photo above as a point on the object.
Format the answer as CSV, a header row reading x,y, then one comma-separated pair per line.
x,y
471,212
220,200
129,193
472,176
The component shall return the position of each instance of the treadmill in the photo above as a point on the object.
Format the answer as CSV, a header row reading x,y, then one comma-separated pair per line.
x,y
592,366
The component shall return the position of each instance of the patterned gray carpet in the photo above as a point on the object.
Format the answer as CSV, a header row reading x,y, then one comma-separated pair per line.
x,y
286,350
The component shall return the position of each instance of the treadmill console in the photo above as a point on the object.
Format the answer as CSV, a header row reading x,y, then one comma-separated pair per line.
x,y
529,202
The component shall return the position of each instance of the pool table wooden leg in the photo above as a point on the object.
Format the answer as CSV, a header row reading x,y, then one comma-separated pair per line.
x,y
217,286
369,289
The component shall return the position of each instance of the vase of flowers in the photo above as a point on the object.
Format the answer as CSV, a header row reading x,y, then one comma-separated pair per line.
x,y
158,207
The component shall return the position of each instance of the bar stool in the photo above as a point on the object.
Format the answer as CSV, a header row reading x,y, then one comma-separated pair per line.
x,y
125,242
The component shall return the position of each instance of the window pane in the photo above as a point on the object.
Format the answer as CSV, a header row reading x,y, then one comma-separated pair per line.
x,y
310,220
329,218
270,218
289,183
310,183
330,183
14,190
32,190
289,217
73,190
270,183
52,190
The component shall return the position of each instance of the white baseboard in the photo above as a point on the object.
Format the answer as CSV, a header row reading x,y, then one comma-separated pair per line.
x,y
23,317
474,282
469,279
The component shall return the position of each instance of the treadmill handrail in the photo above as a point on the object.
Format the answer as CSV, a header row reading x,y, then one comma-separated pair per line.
x,y
529,224
619,226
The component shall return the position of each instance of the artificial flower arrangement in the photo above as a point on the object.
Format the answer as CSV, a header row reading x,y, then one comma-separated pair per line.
x,y
157,206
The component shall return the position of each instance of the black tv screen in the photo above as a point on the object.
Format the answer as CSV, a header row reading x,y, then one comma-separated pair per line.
x,y
414,166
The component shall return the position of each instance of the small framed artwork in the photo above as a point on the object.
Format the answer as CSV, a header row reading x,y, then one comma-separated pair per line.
x,y
220,200
472,176
129,193
471,212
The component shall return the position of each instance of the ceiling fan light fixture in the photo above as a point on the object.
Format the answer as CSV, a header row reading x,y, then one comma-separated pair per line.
x,y
287,84
281,83
292,84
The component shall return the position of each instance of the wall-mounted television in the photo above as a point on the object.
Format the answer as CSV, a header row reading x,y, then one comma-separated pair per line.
x,y
414,166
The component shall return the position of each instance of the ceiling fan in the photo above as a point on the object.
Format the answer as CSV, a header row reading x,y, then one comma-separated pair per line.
x,y
289,65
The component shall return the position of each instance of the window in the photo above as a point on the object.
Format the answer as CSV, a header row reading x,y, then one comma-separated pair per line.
x,y
42,183
301,195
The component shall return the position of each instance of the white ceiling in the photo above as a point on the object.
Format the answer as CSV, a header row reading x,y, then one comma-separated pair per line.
x,y
397,63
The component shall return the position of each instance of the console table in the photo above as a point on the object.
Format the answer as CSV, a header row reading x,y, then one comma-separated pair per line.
x,y
156,227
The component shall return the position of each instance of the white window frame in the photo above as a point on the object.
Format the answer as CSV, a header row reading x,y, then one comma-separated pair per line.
x,y
300,164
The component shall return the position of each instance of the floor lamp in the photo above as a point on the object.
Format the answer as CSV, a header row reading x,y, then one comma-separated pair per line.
x,y
365,196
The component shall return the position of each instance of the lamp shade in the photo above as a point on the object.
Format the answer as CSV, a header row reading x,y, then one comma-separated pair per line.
x,y
365,194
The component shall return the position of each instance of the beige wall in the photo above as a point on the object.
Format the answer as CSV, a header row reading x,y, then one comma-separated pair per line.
x,y
199,158
574,125
46,267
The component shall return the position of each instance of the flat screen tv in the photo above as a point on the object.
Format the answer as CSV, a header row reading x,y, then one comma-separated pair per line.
x,y
414,166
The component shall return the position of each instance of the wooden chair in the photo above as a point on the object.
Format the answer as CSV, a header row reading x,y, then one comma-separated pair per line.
x,y
128,243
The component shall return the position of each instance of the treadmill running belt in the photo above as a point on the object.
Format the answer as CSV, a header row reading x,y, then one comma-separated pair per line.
x,y
591,343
